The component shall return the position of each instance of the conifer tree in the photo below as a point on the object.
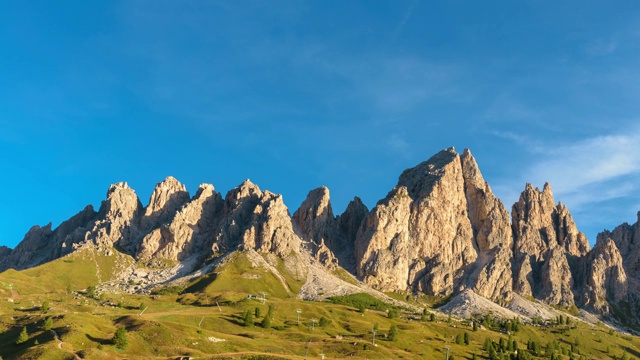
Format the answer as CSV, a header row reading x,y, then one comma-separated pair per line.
x,y
23,337
120,338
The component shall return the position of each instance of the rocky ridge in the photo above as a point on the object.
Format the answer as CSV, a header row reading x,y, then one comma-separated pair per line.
x,y
440,231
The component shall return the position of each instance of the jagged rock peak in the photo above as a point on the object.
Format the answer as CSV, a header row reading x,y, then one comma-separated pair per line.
x,y
190,231
246,189
122,185
315,215
539,224
419,237
351,219
605,277
204,188
420,179
121,201
167,197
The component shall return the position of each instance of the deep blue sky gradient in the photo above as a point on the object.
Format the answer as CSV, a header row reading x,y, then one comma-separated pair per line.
x,y
298,94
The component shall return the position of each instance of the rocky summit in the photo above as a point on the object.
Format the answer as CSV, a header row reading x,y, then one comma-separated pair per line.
x,y
440,231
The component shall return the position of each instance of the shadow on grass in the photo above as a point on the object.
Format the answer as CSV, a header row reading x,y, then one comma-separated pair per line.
x,y
31,309
631,351
99,340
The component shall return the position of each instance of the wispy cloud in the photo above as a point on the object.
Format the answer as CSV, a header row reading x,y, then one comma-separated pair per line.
x,y
584,172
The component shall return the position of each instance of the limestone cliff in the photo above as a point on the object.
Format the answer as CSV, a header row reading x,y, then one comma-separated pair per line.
x,y
604,277
190,231
331,239
547,247
420,237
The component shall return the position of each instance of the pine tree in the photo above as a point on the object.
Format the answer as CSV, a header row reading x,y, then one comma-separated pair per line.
x,y
475,326
466,338
257,312
45,306
247,318
91,291
323,322
393,332
266,322
120,338
48,324
23,337
392,314
432,317
459,339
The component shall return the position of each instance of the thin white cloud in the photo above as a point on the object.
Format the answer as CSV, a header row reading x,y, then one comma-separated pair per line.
x,y
571,168
583,173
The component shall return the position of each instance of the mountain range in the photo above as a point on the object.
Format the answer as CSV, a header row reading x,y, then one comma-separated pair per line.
x,y
439,232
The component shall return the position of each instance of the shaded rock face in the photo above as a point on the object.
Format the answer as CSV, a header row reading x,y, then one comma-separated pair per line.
x,y
252,219
315,223
492,231
331,239
424,235
167,198
627,239
547,247
190,231
42,244
172,226
604,277
118,219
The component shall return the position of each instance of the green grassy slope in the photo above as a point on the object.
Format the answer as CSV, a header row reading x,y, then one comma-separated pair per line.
x,y
191,324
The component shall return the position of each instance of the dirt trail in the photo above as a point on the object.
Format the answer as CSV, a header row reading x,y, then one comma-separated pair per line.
x,y
57,337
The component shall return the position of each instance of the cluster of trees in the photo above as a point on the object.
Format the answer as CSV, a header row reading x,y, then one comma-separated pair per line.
x,y
248,318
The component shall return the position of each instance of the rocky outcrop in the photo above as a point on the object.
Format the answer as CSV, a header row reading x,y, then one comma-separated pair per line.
x,y
316,224
41,244
190,231
556,281
627,239
547,247
420,236
118,222
604,277
330,238
350,220
167,198
252,219
492,233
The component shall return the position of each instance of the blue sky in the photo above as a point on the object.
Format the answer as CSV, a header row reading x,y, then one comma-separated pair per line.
x,y
299,94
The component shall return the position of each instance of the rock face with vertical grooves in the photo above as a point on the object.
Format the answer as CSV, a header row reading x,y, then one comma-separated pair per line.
x,y
604,277
420,236
547,247
627,239
492,232
118,219
191,228
167,198
331,239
